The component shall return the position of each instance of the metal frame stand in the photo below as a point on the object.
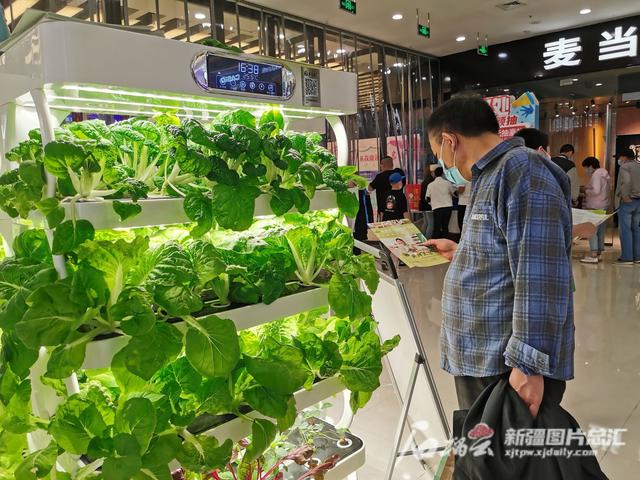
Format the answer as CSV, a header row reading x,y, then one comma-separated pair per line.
x,y
420,362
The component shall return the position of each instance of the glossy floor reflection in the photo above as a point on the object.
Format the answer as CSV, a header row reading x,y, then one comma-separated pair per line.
x,y
605,391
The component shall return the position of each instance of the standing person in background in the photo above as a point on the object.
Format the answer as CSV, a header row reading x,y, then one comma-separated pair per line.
x,y
426,180
4,29
535,140
628,194
566,163
464,194
539,141
439,194
596,198
380,184
395,205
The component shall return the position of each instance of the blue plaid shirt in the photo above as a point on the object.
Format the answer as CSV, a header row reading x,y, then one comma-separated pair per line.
x,y
507,299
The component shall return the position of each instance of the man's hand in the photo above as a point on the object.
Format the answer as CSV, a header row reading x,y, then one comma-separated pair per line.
x,y
446,248
584,230
530,388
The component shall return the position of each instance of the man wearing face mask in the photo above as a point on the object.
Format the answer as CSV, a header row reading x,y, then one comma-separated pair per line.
x,y
507,297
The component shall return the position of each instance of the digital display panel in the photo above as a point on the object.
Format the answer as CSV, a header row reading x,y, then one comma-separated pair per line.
x,y
224,73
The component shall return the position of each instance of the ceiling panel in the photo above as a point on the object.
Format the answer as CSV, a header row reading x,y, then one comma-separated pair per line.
x,y
450,19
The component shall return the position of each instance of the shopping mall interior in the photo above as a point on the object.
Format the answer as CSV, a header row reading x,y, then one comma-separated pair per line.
x,y
234,243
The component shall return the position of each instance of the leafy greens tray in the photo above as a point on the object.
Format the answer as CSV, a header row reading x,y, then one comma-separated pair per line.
x,y
131,419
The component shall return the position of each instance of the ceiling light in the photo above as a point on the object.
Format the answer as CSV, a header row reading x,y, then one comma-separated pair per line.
x,y
231,28
598,84
397,16
503,55
575,79
206,25
585,11
200,16
424,78
398,65
447,79
505,90
341,51
281,36
461,38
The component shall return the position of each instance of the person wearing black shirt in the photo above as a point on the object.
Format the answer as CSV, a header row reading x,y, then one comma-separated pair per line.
x,y
565,162
395,205
428,178
380,184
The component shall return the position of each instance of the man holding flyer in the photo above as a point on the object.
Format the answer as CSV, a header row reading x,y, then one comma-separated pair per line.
x,y
507,297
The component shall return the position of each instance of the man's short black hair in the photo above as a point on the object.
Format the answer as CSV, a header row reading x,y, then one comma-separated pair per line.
x,y
533,138
566,148
465,115
592,162
386,158
438,172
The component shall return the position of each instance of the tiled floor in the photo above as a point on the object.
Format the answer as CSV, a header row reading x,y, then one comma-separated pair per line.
x,y
606,389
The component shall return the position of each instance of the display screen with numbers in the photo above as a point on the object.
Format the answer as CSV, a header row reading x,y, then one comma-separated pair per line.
x,y
225,73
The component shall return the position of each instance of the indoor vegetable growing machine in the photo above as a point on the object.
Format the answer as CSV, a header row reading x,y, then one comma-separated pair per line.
x,y
212,166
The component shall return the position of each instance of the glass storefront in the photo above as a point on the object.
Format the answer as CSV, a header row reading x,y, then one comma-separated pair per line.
x,y
397,89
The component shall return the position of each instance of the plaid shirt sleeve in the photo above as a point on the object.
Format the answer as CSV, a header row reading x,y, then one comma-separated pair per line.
x,y
536,223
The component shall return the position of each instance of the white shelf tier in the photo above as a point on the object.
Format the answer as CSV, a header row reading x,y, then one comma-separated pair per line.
x,y
346,467
239,428
168,210
100,352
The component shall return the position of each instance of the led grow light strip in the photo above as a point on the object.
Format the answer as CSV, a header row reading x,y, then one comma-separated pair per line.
x,y
225,103
124,102
119,111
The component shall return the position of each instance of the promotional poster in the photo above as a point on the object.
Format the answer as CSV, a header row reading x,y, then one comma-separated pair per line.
x,y
406,242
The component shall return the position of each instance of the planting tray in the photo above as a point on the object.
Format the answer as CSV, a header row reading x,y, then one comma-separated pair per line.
x,y
352,455
100,352
236,428
164,211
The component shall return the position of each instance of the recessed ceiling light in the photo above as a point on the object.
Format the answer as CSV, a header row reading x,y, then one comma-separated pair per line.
x,y
461,38
206,25
397,16
398,65
424,78
598,84
505,90
585,11
447,79
341,51
281,36
574,79
503,55
200,16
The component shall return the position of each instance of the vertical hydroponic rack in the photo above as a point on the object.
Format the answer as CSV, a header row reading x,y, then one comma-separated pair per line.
x,y
54,67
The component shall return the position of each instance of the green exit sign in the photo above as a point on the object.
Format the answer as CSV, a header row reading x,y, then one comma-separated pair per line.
x,y
424,30
348,5
483,50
